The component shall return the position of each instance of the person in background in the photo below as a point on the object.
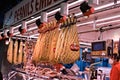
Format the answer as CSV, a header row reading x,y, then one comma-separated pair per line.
x,y
1,76
115,71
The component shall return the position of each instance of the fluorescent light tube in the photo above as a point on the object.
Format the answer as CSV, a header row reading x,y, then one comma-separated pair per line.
x,y
99,20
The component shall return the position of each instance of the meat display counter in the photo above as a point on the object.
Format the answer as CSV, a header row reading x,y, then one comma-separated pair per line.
x,y
40,74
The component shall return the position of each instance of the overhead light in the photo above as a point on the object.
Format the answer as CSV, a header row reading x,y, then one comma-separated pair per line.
x,y
53,11
108,22
77,14
16,33
34,35
85,23
25,36
17,26
32,17
73,3
32,28
86,9
32,20
98,23
99,20
22,35
85,43
117,16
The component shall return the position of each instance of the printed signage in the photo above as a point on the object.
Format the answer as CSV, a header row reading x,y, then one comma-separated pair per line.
x,y
25,9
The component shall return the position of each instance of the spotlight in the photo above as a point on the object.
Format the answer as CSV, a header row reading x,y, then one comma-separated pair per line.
x,y
38,22
86,9
20,29
58,16
23,28
3,36
9,34
42,22
7,41
61,16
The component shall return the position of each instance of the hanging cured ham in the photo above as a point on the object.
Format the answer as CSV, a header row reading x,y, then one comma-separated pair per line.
x,y
20,53
10,52
16,54
57,46
67,48
45,46
15,61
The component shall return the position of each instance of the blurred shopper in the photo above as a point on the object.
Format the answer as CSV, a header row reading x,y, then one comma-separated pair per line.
x,y
115,71
1,76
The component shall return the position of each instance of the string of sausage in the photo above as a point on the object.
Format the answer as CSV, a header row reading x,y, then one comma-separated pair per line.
x,y
64,53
